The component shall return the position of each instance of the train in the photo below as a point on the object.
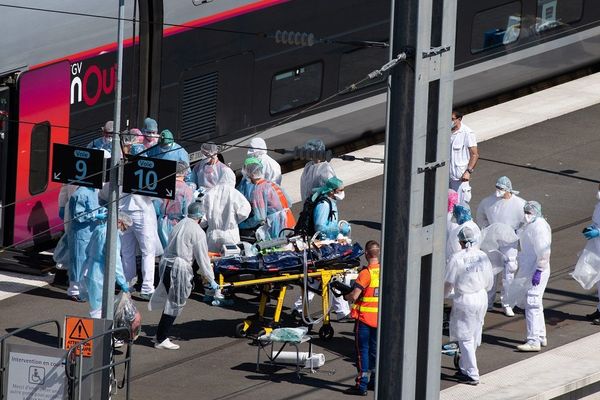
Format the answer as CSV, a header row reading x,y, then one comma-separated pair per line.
x,y
214,70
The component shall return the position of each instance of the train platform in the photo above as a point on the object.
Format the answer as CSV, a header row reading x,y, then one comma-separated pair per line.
x,y
552,160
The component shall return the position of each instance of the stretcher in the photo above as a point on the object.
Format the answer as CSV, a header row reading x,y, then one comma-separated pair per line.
x,y
273,272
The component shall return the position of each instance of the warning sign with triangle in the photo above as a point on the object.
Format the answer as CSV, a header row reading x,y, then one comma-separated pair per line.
x,y
79,332
78,329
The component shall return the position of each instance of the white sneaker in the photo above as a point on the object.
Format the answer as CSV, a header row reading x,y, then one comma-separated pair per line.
x,y
544,341
118,343
529,346
167,345
508,311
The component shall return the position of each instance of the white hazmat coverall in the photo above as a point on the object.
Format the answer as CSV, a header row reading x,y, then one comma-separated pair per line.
x,y
493,210
271,168
224,208
314,176
187,242
535,240
469,274
587,269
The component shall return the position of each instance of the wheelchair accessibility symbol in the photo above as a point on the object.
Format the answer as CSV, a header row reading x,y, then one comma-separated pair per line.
x,y
37,375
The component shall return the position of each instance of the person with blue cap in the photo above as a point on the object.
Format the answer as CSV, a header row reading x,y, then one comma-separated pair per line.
x,y
209,171
315,173
173,211
535,240
187,244
326,221
95,262
85,212
150,132
504,206
461,214
167,149
105,141
270,205
468,276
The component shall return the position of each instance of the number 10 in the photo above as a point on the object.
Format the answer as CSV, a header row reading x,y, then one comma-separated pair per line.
x,y
151,179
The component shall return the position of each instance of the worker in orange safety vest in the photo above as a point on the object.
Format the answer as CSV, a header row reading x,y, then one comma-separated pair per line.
x,y
365,311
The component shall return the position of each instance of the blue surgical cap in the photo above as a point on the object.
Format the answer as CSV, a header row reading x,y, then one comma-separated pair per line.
x,y
315,144
150,125
462,214
533,207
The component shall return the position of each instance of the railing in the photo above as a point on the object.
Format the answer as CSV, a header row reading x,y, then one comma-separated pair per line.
x,y
3,340
73,359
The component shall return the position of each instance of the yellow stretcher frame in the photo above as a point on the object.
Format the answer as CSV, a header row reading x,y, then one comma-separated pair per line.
x,y
241,330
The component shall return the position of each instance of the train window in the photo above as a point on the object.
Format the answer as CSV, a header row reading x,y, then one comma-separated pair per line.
x,y
296,87
38,158
355,65
496,27
553,14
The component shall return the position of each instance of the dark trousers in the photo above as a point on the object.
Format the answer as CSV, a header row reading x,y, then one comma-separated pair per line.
x,y
166,321
366,353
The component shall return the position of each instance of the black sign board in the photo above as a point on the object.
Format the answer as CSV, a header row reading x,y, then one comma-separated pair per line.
x,y
77,165
150,177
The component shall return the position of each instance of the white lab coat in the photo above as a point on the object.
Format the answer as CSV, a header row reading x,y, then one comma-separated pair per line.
x,y
187,243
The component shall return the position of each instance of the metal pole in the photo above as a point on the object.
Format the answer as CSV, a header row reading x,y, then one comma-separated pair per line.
x,y
415,193
108,294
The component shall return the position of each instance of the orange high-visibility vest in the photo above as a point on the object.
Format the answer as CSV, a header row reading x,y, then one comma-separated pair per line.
x,y
366,307
290,220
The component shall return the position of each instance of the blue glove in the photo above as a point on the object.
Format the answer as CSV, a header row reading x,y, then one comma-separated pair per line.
x,y
101,217
537,276
345,228
61,213
591,232
125,289
214,285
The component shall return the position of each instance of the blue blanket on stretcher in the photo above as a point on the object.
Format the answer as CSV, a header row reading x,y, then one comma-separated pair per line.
x,y
330,256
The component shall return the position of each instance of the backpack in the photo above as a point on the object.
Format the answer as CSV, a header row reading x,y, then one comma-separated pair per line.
x,y
305,225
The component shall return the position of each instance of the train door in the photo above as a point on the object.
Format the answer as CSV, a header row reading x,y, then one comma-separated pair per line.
x,y
43,106
5,96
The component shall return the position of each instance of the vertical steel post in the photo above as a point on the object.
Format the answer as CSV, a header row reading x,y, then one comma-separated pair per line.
x,y
415,196
108,294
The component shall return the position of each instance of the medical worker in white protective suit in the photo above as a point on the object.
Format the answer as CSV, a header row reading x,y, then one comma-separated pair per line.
x,y
469,276
208,172
142,235
534,270
315,173
186,244
95,263
223,208
587,269
462,215
504,206
271,168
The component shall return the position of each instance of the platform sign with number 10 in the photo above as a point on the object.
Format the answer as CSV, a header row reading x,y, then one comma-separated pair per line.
x,y
150,177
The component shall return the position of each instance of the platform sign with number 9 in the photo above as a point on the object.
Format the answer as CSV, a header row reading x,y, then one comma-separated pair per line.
x,y
151,177
77,165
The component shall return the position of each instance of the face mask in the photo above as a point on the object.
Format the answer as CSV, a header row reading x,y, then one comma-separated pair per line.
x,y
529,218
453,125
500,193
339,196
598,195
